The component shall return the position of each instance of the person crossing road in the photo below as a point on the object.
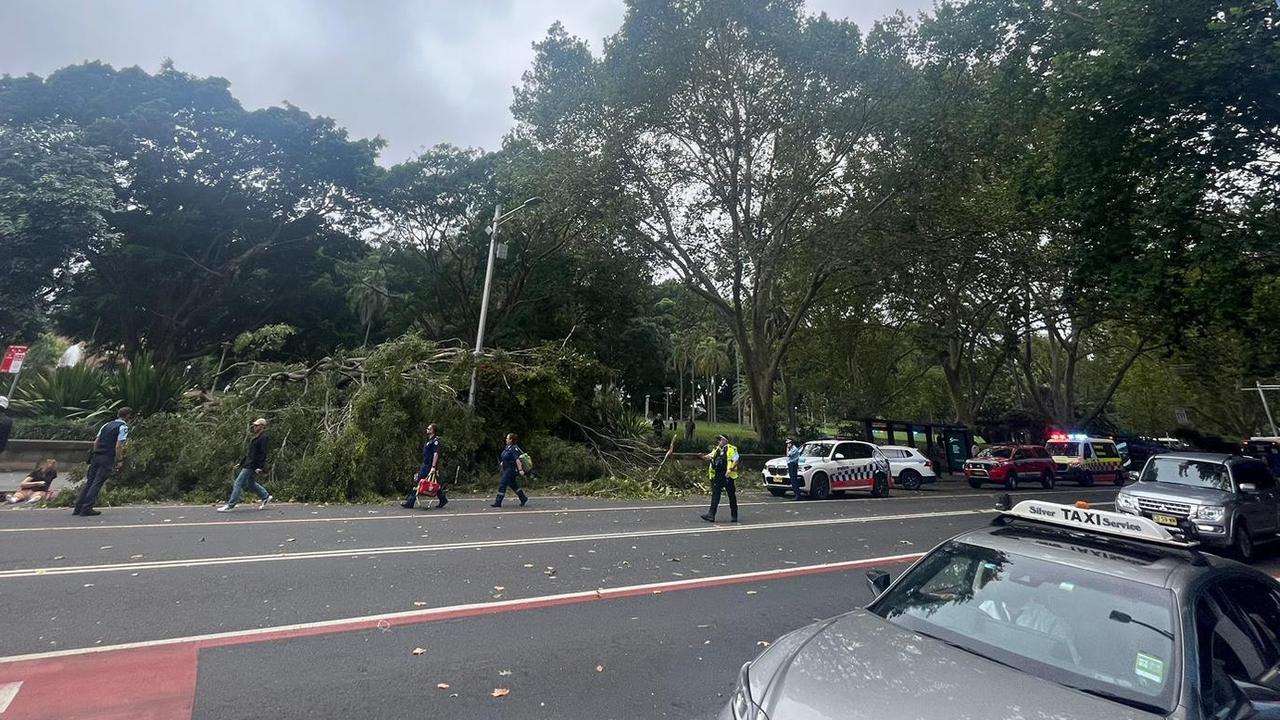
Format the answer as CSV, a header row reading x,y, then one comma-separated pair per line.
x,y
431,452
511,467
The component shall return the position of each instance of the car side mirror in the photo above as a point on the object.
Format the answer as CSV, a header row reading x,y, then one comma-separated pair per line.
x,y
878,580
839,456
1248,488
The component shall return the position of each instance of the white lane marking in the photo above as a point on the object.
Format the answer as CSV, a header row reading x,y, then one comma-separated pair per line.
x,y
473,545
358,622
8,692
421,515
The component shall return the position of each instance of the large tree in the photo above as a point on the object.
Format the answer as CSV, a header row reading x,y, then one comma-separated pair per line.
x,y
227,219
55,196
741,138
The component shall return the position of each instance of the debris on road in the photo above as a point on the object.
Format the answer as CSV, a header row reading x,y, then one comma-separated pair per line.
x,y
500,692
419,651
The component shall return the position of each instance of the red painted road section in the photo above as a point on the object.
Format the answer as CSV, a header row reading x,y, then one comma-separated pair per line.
x,y
158,682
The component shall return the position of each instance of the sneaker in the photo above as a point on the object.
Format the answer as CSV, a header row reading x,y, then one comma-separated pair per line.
x,y
708,517
90,512
441,504
406,506
262,504
226,508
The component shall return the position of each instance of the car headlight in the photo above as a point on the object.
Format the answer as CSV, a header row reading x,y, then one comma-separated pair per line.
x,y
743,707
1126,502
1211,513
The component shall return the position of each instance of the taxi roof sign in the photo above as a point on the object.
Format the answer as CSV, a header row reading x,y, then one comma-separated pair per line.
x,y
1133,527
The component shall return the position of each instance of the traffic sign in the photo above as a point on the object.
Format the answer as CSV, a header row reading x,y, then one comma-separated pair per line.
x,y
13,358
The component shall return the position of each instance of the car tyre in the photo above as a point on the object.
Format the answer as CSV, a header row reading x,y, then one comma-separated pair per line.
x,y
909,480
1242,544
975,483
777,492
1046,480
820,487
1011,483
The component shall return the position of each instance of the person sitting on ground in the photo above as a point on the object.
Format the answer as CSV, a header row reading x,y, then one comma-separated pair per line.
x,y
35,487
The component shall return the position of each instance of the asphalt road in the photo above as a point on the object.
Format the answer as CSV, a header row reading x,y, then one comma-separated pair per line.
x,y
577,608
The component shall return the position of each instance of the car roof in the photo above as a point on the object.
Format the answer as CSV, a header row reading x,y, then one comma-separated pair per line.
x,y
900,447
1220,458
1147,563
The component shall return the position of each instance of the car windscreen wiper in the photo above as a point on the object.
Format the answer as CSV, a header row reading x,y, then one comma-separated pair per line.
x,y
1107,695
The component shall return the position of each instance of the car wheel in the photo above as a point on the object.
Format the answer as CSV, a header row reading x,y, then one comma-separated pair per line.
x,y
909,480
820,487
880,485
777,492
975,483
1046,480
1086,479
1011,482
1242,543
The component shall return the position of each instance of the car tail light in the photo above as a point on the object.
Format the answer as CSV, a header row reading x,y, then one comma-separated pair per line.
x,y
928,463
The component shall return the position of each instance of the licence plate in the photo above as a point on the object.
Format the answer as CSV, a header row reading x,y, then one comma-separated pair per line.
x,y
1165,519
778,481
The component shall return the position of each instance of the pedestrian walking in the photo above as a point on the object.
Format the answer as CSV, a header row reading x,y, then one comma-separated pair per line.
x,y
657,426
722,472
108,454
431,451
511,467
689,427
253,465
793,467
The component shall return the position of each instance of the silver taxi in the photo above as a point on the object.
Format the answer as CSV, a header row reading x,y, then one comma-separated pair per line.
x,y
1054,611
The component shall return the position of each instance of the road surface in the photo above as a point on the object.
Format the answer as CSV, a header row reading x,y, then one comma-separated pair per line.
x,y
567,608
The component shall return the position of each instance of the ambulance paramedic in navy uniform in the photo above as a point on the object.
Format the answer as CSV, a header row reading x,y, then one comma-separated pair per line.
x,y
511,466
430,463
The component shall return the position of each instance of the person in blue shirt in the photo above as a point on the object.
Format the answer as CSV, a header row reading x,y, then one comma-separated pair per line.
x,y
108,452
793,467
431,451
511,467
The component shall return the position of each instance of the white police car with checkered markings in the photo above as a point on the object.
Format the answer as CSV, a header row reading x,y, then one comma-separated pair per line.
x,y
832,465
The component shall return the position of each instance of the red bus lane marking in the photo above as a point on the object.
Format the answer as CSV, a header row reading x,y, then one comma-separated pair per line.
x,y
156,680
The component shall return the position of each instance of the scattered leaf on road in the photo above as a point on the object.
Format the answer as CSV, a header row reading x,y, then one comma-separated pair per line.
x,y
500,692
504,673
418,603
499,588
443,686
751,592
419,651
289,539
763,643
599,668
105,547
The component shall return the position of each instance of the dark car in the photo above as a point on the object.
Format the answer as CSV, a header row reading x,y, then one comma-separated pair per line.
x,y
1052,612
1009,465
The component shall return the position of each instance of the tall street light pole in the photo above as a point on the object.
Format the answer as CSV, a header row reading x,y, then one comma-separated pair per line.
x,y
498,219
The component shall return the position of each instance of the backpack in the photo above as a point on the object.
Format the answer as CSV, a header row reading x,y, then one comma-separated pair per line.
x,y
526,462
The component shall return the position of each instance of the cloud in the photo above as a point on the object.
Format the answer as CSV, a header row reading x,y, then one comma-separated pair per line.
x,y
415,73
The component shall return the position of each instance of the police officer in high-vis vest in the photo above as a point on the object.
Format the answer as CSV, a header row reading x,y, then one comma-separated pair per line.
x,y
722,471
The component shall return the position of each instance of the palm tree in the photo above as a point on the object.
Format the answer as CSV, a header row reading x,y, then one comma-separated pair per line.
x,y
683,350
710,358
369,300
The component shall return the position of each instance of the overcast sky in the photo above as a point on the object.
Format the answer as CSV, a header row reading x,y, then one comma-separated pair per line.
x,y
416,73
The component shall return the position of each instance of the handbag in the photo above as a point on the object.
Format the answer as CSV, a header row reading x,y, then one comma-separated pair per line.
x,y
429,486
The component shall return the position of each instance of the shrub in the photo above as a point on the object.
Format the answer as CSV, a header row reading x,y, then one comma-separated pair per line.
x,y
143,386
74,393
53,428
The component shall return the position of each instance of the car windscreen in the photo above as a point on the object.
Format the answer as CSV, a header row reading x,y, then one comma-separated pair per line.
x,y
1059,622
996,452
1181,471
815,449
1063,449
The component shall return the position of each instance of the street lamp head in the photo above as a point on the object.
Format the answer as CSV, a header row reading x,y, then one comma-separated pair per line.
x,y
535,200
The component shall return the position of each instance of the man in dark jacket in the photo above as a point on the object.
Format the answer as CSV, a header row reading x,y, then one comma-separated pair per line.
x,y
6,423
431,451
255,460
108,453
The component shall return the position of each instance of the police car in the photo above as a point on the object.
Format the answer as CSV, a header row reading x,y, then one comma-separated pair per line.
x,y
832,465
1054,611
1086,460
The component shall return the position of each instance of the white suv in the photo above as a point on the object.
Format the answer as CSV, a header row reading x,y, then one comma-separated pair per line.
x,y
832,466
911,468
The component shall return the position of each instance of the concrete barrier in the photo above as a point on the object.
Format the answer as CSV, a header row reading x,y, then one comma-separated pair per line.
x,y
22,455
